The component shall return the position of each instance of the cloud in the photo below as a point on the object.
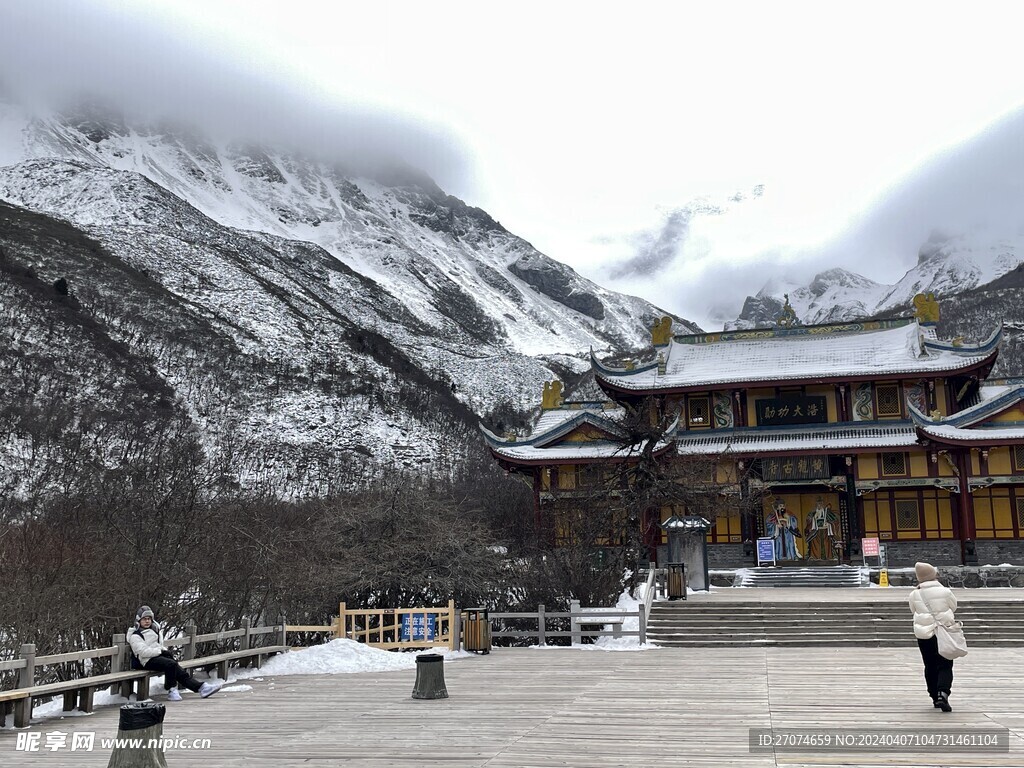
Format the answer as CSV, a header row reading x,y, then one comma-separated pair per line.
x,y
976,186
656,250
703,268
59,52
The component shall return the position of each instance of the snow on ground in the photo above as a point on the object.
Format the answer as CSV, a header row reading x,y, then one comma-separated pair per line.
x,y
629,624
340,657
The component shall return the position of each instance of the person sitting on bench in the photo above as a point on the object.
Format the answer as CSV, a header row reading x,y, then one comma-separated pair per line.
x,y
148,652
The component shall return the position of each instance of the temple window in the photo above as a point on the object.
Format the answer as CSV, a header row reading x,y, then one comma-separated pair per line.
x,y
1018,458
887,401
908,516
894,464
698,411
1020,514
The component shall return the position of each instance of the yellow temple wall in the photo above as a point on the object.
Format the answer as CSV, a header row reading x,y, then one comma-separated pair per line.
x,y
993,513
866,465
935,511
918,464
753,395
1000,461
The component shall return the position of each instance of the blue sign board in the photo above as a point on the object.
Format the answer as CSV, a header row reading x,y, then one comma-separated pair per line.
x,y
766,550
418,626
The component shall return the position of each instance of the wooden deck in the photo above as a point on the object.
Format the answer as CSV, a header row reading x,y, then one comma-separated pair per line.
x,y
566,707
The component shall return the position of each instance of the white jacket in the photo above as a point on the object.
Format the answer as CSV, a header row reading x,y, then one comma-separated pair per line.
x,y
929,600
146,643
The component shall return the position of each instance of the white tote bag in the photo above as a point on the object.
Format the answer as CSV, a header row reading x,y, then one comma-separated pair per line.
x,y
951,641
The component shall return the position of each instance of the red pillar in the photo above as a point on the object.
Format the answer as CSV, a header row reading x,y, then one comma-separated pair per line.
x,y
967,530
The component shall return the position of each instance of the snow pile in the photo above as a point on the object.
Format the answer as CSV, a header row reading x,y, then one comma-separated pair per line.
x,y
629,624
340,657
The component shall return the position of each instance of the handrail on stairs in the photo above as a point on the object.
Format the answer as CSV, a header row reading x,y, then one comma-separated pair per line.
x,y
650,590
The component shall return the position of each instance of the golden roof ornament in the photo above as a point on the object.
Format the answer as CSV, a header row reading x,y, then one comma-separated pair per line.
x,y
551,398
787,317
926,309
661,333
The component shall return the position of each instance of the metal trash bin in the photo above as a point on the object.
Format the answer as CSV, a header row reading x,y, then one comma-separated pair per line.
x,y
676,581
476,630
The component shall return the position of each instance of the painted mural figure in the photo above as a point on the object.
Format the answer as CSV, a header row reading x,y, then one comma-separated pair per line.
x,y
784,528
820,532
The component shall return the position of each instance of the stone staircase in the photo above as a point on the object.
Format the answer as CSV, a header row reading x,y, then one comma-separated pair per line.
x,y
697,623
822,576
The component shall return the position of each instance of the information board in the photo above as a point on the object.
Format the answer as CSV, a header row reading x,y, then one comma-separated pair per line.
x,y
417,626
869,547
765,550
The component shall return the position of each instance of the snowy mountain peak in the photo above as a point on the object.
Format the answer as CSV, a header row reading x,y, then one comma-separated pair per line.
x,y
947,264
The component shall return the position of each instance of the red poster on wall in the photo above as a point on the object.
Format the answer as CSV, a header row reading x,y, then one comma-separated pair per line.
x,y
869,547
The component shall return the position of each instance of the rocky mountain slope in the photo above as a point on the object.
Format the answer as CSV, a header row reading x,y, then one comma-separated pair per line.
x,y
328,319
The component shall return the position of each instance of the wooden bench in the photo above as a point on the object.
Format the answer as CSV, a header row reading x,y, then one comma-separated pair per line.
x,y
80,691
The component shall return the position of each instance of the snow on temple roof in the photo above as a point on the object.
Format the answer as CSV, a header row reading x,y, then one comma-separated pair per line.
x,y
842,437
543,442
877,349
986,435
572,453
963,427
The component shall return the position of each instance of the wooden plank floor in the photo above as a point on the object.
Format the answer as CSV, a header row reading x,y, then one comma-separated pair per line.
x,y
565,707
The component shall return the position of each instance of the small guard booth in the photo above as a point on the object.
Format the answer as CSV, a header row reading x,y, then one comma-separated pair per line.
x,y
688,544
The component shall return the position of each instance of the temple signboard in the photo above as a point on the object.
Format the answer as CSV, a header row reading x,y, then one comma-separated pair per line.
x,y
795,468
793,409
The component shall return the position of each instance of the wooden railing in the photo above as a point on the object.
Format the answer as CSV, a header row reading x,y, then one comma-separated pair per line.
x,y
392,628
382,627
584,623
251,643
651,589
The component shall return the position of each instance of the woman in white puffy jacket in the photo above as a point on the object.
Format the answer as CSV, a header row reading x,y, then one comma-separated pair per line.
x,y
149,653
931,602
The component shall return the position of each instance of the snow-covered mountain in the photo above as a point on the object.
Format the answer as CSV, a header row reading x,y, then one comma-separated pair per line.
x,y
947,265
342,311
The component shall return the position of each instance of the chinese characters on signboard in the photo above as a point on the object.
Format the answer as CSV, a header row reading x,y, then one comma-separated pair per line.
x,y
422,627
795,468
799,409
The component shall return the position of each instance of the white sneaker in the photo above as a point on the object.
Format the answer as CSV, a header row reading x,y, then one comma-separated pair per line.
x,y
174,695
208,689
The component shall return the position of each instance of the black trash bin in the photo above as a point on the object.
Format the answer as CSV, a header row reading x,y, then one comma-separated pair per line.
x,y
676,581
476,630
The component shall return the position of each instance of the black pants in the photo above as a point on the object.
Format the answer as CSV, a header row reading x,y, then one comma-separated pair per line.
x,y
938,670
173,673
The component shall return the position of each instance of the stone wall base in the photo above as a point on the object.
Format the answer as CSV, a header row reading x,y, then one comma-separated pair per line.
x,y
899,554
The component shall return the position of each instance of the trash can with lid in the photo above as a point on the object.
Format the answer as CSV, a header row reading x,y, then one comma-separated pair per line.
x,y
476,630
676,581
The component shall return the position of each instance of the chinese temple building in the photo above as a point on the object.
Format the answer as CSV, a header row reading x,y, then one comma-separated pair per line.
x,y
868,429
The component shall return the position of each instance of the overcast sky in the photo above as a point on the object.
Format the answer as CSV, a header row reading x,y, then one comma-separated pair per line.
x,y
677,150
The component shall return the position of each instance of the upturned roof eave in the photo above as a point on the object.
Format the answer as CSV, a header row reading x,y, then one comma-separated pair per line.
x,y
547,461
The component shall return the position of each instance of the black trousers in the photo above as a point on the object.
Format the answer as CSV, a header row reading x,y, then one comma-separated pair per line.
x,y
938,670
173,673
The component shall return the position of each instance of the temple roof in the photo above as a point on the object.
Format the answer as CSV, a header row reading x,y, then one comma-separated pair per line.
x,y
967,427
993,399
868,350
545,444
806,439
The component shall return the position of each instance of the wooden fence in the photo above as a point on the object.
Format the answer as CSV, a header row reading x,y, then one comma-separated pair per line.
x,y
383,627
247,644
392,628
583,623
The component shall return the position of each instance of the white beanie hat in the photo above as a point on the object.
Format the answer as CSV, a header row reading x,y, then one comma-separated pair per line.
x,y
926,572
